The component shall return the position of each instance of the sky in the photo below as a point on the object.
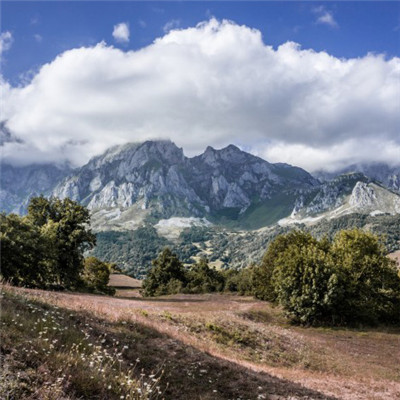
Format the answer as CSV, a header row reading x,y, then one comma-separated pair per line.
x,y
313,84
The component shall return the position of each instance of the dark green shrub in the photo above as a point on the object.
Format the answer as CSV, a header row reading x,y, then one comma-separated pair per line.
x,y
240,281
96,275
162,278
350,281
203,279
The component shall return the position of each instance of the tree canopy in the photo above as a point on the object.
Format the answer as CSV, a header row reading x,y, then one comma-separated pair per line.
x,y
46,247
349,280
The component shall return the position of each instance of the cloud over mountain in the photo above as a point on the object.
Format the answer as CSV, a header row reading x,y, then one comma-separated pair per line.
x,y
216,83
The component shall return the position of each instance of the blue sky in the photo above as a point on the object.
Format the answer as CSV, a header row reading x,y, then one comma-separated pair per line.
x,y
314,84
42,30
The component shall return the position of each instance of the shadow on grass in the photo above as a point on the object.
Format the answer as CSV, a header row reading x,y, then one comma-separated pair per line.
x,y
188,372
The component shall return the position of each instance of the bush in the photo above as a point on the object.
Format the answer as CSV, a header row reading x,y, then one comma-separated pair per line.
x,y
26,255
167,275
349,281
96,275
370,281
203,279
45,248
240,281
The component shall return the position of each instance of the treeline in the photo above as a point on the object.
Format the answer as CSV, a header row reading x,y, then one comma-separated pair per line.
x,y
45,249
344,281
132,250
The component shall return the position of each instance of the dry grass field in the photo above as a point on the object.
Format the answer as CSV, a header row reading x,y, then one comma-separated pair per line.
x,y
208,347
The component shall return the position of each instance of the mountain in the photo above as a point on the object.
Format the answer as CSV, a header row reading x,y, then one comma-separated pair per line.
x,y
383,173
152,180
345,194
224,204
19,184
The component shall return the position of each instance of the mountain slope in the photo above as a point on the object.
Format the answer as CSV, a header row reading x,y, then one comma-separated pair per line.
x,y
19,184
134,182
346,194
386,175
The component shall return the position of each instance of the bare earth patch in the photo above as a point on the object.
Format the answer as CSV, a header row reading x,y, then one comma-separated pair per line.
x,y
226,346
124,281
396,256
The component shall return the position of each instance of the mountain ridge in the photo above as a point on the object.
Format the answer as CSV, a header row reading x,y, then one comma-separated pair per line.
x,y
157,175
136,183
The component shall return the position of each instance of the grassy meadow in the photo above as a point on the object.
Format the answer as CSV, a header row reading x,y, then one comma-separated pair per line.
x,y
60,345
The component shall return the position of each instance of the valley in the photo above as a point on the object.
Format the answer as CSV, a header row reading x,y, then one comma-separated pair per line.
x,y
199,200
225,204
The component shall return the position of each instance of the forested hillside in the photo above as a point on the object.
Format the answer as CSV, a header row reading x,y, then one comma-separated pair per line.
x,y
134,250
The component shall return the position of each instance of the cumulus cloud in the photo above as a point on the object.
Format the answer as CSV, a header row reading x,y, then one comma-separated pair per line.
x,y
325,17
6,40
121,32
213,84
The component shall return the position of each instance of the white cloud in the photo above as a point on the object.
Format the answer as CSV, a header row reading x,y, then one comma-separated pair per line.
x,y
38,37
170,25
333,157
6,40
325,17
213,84
121,32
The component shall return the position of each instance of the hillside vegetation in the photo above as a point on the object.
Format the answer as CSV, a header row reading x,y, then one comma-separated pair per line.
x,y
201,342
346,281
134,250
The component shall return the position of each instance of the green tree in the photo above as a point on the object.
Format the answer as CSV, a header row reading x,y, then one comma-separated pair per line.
x,y
263,281
203,279
349,281
371,284
166,276
66,225
24,258
96,275
306,284
240,281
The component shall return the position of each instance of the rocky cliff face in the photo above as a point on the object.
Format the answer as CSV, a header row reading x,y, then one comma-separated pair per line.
x,y
388,176
231,178
19,184
156,176
133,174
374,198
346,194
332,194
154,180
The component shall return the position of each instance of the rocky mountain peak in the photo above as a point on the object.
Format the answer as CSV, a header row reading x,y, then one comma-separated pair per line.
x,y
230,154
386,174
133,181
137,154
